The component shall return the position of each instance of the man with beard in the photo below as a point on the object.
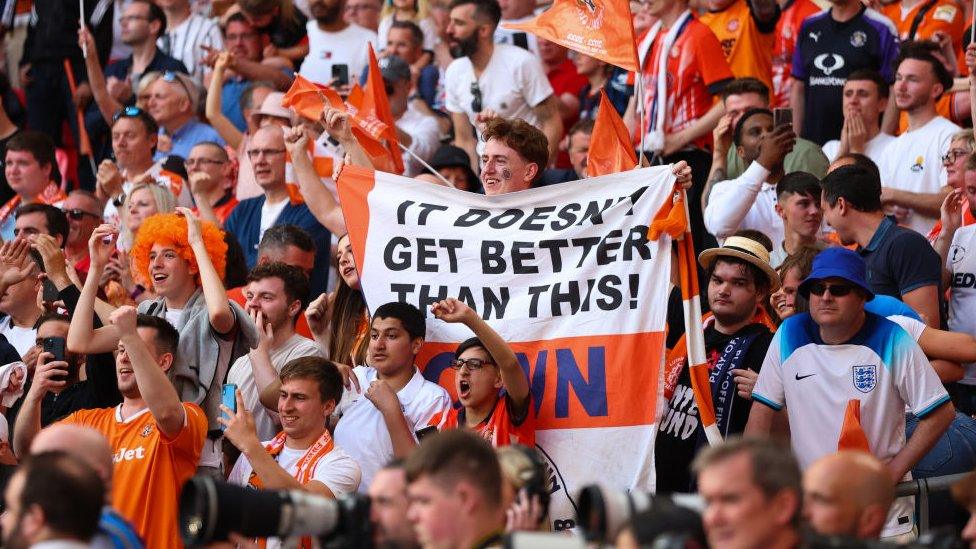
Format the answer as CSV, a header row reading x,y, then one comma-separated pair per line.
x,y
494,79
748,202
333,42
54,500
736,338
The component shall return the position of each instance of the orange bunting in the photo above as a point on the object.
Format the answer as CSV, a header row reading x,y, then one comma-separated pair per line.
x,y
611,150
599,28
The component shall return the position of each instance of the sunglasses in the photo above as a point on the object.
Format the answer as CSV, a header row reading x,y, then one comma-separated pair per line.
x,y
79,214
836,290
128,112
170,76
474,364
476,105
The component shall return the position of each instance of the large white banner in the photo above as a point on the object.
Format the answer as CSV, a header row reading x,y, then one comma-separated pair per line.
x,y
566,274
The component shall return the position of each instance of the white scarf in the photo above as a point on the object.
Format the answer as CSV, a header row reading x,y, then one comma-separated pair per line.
x,y
655,137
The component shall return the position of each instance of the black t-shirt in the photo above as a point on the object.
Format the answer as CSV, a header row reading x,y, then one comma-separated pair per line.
x,y
827,51
680,433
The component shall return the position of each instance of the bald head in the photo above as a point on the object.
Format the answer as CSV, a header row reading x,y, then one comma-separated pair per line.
x,y
83,443
847,493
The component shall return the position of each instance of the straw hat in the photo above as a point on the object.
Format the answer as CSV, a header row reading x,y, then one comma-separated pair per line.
x,y
745,249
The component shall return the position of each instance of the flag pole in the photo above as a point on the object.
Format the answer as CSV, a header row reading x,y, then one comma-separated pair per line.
x,y
426,165
639,95
972,27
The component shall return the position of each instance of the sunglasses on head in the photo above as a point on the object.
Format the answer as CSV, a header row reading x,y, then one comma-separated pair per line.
x,y
476,105
836,290
128,112
474,364
170,76
78,214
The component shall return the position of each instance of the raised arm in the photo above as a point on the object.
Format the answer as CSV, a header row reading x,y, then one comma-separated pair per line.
x,y
154,387
222,318
107,104
552,124
951,216
514,379
319,199
46,378
82,337
215,115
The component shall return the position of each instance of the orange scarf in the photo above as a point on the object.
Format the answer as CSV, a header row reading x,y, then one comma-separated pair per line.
x,y
304,469
52,194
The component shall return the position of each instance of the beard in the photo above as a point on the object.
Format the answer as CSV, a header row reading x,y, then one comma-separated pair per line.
x,y
326,15
465,47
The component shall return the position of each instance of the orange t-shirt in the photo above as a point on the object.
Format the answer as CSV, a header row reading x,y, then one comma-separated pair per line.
x,y
943,16
301,327
695,65
149,469
499,428
747,48
784,42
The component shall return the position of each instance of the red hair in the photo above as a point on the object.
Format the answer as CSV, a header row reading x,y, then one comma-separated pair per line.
x,y
170,230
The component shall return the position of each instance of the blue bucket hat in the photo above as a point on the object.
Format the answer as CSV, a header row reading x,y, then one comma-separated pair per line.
x,y
837,262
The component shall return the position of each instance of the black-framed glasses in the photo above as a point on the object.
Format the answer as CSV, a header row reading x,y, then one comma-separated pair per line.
x,y
170,76
473,364
836,290
78,214
254,154
191,162
128,112
476,104
952,155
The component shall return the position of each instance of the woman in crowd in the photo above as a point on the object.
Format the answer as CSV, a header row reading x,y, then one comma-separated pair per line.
x,y
339,321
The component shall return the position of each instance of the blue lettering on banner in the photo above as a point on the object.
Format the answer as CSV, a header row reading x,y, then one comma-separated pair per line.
x,y
590,390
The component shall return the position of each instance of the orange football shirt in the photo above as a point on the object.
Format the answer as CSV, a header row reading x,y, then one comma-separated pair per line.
x,y
748,50
149,468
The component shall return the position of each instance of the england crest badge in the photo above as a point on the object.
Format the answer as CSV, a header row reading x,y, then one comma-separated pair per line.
x,y
865,377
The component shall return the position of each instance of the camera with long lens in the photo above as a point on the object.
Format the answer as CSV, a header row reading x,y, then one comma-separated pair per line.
x,y
210,510
602,513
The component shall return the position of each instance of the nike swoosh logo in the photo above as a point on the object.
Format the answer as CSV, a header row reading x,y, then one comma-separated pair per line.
x,y
799,377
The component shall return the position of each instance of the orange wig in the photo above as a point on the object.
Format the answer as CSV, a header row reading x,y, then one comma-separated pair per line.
x,y
170,230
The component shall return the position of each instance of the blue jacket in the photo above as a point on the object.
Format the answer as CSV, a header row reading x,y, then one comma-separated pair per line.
x,y
245,224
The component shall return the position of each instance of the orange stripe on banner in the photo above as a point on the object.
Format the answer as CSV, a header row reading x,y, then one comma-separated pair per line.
x,y
590,381
354,185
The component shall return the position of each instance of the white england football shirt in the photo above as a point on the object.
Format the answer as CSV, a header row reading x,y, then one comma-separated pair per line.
x,y
961,263
882,366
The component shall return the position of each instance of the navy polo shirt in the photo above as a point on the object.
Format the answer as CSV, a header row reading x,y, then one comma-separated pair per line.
x,y
900,260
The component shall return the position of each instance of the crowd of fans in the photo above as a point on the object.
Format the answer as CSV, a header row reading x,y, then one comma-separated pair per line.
x,y
169,227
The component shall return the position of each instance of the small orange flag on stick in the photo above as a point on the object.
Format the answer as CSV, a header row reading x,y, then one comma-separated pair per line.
x,y
602,29
611,150
376,104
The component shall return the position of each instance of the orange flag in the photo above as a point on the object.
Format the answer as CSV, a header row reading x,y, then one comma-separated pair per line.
x,y
376,104
308,98
852,435
611,150
599,28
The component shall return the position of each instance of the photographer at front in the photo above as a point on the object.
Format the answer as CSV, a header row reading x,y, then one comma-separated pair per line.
x,y
303,455
492,388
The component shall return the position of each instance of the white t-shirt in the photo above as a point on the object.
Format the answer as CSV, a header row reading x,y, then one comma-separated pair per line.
x,y
746,202
512,84
874,149
426,136
362,431
913,162
882,366
21,338
269,214
348,46
426,25
242,375
961,263
337,470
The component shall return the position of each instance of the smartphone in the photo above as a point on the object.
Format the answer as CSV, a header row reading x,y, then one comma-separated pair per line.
x,y
340,74
50,293
521,40
425,432
56,346
782,116
228,397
